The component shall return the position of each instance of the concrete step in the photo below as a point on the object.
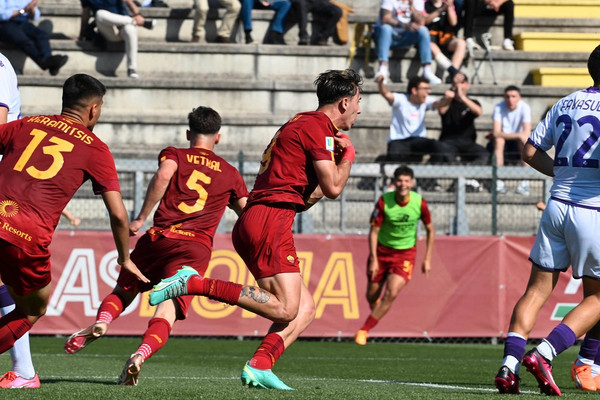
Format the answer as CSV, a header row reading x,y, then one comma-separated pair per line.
x,y
175,24
562,77
141,117
258,62
557,41
558,9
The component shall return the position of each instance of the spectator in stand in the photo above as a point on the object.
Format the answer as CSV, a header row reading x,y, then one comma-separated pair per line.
x,y
17,30
325,18
401,24
441,20
276,27
408,141
475,8
458,124
511,129
232,10
115,25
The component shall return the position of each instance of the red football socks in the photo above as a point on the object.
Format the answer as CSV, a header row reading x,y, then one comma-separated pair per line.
x,y
269,351
12,326
155,337
369,323
111,308
215,289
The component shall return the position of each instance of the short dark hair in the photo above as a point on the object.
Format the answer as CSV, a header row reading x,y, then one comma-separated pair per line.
x,y
404,170
594,65
511,88
79,89
333,85
463,74
204,120
414,82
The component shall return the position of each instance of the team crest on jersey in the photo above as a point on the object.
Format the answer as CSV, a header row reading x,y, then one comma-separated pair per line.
x,y
8,208
329,144
291,259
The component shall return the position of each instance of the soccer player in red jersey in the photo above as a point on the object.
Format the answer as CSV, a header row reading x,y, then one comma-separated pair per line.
x,y
308,158
46,159
393,246
193,186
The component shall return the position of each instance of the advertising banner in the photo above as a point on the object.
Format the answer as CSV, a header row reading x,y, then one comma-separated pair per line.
x,y
474,283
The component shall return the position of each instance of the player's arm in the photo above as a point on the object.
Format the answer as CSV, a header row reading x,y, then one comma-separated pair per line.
x,y
238,205
429,248
333,176
3,115
373,264
313,199
119,224
156,190
538,159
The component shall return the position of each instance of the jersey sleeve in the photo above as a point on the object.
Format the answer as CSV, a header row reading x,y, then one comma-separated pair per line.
x,y
318,141
239,188
541,136
378,213
425,214
168,153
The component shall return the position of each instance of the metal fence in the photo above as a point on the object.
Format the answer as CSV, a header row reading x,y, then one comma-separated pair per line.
x,y
464,200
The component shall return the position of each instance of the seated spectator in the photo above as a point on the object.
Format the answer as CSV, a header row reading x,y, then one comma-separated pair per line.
x,y
408,141
17,30
401,24
325,16
115,24
232,10
459,135
511,129
441,20
475,8
276,27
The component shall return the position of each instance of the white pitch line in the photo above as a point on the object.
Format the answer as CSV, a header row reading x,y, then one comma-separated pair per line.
x,y
387,382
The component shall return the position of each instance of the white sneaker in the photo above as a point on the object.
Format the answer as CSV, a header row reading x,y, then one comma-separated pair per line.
x,y
500,187
132,74
385,72
523,188
508,44
472,45
472,185
433,79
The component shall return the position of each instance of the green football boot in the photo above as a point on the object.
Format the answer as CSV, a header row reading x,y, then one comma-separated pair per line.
x,y
172,287
262,378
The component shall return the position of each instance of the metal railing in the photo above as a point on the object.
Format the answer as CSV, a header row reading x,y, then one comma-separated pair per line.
x,y
457,206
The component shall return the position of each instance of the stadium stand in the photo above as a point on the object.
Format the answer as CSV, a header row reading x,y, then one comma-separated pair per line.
x,y
256,88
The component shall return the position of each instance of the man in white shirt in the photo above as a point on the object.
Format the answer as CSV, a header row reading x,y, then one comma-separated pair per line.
x,y
408,140
511,129
401,23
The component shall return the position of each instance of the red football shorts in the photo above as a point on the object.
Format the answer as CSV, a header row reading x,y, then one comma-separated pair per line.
x,y
392,261
161,259
23,272
262,236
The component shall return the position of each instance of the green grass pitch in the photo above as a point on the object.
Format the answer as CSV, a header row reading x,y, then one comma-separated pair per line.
x,y
195,368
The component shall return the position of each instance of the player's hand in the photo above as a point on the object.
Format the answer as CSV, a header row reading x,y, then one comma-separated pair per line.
x,y
344,149
373,267
128,265
426,267
135,226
